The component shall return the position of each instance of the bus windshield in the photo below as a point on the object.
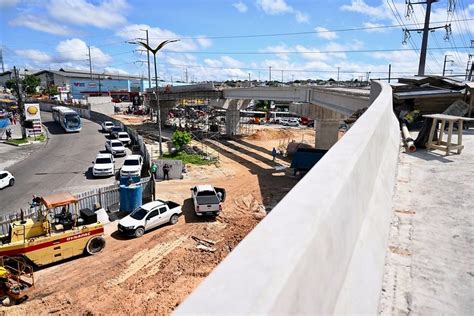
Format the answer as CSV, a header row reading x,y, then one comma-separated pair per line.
x,y
72,120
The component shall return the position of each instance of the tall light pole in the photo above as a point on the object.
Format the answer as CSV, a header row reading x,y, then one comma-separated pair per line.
x,y
154,51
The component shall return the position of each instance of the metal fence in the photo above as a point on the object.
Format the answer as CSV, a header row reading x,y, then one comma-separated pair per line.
x,y
108,198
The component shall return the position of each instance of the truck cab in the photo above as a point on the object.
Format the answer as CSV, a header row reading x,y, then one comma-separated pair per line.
x,y
207,199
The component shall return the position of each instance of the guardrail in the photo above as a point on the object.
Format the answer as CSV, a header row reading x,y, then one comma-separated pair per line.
x,y
322,248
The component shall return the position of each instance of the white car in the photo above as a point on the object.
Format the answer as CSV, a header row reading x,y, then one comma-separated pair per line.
x,y
124,138
106,126
132,166
149,216
207,199
103,165
115,147
293,122
6,179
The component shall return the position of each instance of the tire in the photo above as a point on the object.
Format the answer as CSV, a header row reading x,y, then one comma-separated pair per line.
x,y
174,219
11,182
95,245
139,232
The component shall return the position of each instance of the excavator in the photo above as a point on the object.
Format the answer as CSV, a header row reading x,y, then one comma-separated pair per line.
x,y
59,231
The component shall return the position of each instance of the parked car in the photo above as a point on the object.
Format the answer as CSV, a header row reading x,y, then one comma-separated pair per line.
x,y
115,147
132,166
106,126
310,123
103,165
115,130
149,216
6,179
293,122
207,199
124,138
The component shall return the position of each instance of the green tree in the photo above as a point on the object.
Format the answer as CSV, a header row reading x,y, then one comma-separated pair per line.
x,y
10,84
52,90
30,83
180,139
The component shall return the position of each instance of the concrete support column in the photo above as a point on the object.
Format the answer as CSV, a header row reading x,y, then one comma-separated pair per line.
x,y
166,106
232,119
326,132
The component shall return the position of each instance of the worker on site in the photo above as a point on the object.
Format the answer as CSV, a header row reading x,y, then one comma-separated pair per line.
x,y
166,170
274,153
154,169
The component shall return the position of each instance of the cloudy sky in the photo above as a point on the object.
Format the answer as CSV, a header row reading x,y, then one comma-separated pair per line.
x,y
230,39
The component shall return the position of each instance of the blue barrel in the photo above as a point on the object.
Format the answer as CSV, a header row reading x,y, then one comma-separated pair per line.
x,y
130,197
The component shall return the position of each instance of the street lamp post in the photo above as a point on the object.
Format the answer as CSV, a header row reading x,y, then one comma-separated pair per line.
x,y
154,51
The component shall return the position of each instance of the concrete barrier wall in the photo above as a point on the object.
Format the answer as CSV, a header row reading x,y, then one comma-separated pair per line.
x,y
85,113
322,248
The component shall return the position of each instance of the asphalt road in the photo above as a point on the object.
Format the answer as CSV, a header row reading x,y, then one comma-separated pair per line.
x,y
63,164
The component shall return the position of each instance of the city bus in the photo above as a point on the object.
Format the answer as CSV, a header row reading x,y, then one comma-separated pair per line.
x,y
69,120
253,117
280,117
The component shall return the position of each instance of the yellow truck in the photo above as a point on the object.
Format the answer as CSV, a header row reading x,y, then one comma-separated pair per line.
x,y
58,232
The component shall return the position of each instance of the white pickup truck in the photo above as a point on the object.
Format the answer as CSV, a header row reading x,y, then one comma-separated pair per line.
x,y
149,216
207,199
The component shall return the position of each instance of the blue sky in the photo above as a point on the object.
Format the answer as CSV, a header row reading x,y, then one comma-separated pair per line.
x,y
52,34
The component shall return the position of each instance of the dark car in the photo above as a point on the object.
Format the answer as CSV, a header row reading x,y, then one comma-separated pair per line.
x,y
115,130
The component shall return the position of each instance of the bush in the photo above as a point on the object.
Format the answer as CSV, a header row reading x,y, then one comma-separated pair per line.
x,y
180,139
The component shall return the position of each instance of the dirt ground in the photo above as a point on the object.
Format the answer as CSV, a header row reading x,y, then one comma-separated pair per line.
x,y
153,274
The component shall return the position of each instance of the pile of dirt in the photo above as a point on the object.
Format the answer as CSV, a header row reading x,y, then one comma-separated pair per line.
x,y
267,134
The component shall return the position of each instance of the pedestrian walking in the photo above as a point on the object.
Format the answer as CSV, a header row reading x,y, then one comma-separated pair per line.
x,y
166,170
274,153
9,133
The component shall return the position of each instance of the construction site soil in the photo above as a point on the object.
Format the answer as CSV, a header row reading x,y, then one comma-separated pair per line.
x,y
154,273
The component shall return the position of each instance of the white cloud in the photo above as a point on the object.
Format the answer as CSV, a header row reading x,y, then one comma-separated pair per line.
x,y
378,13
301,17
203,41
240,6
77,50
231,62
375,27
112,70
34,55
106,14
325,33
40,24
157,35
8,3
275,7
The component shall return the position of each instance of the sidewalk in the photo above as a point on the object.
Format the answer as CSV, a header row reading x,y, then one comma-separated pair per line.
x,y
429,267
9,154
16,132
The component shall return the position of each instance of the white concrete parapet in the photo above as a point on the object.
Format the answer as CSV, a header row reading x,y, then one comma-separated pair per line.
x,y
322,248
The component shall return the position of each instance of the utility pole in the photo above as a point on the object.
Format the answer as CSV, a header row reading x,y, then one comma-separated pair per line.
x,y
90,61
467,65
338,68
444,64
259,76
148,60
389,72
425,30
186,75
1,60
21,106
269,73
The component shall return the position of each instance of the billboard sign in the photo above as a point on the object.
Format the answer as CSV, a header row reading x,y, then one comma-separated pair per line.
x,y
32,111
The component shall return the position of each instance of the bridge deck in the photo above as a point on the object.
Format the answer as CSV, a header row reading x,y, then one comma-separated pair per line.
x,y
429,268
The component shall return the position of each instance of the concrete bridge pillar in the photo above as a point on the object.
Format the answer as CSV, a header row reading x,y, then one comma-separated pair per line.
x,y
326,132
232,118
